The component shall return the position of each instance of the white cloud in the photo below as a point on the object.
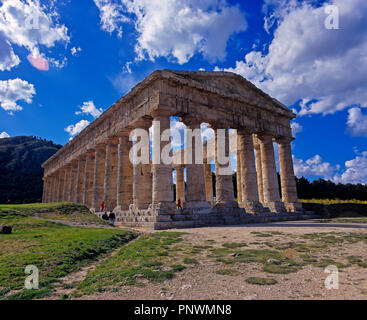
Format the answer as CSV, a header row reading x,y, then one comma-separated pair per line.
x,y
314,166
14,90
175,29
357,122
89,108
111,16
4,135
58,63
296,128
74,129
127,67
75,50
28,24
326,69
177,141
8,59
356,170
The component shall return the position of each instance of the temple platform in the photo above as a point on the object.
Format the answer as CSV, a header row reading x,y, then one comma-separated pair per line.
x,y
213,217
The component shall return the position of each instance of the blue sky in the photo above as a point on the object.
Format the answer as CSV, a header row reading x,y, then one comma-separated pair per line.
x,y
59,71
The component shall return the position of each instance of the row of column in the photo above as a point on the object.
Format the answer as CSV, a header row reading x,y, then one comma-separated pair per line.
x,y
257,181
107,175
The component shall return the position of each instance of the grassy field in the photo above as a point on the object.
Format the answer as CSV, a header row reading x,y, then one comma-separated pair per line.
x,y
54,211
257,258
150,257
56,249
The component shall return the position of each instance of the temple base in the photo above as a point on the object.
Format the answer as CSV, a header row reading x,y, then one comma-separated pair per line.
x,y
275,207
293,206
252,206
165,215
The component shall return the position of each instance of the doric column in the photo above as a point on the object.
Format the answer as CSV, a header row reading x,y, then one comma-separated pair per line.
x,y
55,195
270,179
79,192
110,179
250,195
287,178
180,183
54,188
72,184
208,182
43,190
88,178
98,177
238,173
60,188
49,195
223,171
259,172
195,182
65,196
124,175
142,176
45,187
207,174
162,172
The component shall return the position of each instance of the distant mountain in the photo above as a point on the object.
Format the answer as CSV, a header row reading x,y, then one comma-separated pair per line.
x,y
20,168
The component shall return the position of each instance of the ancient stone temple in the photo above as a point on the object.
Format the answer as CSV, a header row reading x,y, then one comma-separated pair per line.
x,y
95,167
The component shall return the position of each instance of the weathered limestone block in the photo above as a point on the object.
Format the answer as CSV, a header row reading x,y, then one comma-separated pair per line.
x,y
73,174
124,175
142,180
259,173
239,174
66,191
80,181
288,181
162,173
250,196
270,179
223,172
195,182
110,180
207,174
88,179
208,182
98,180
60,187
180,183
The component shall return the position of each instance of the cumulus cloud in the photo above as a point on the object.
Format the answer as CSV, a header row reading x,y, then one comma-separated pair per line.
x,y
8,59
74,129
356,170
89,108
27,24
314,166
324,69
175,29
14,90
111,15
296,128
177,141
4,135
357,122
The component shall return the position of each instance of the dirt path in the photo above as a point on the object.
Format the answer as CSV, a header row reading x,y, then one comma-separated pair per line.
x,y
201,281
69,283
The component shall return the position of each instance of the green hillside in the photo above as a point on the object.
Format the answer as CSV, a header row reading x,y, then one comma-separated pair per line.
x,y
20,168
